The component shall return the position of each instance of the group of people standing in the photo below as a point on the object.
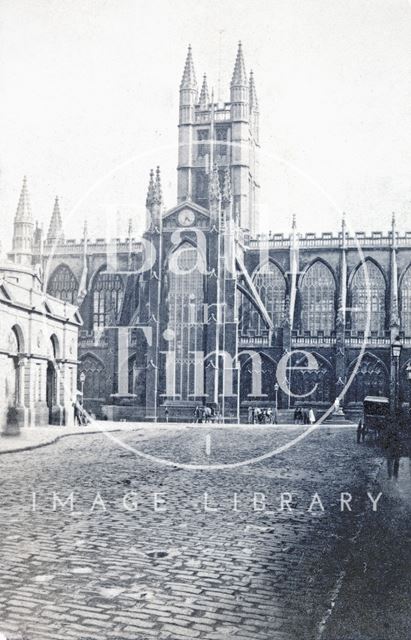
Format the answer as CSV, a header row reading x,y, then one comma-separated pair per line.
x,y
262,416
304,415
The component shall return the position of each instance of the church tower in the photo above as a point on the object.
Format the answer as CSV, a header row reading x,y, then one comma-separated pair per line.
x,y
225,134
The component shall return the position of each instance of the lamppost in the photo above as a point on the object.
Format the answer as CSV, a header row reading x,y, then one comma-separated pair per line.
x,y
82,380
408,371
276,387
396,347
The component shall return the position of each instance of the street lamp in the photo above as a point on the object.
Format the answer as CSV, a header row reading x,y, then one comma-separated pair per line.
x,y
82,380
276,387
408,371
396,347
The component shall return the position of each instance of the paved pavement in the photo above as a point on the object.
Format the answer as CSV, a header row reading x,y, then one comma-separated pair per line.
x,y
207,553
35,437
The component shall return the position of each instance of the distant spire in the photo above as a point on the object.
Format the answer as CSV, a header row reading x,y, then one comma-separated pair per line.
x,y
239,74
204,96
150,190
158,194
85,229
23,213
226,194
55,231
253,94
188,80
294,222
214,193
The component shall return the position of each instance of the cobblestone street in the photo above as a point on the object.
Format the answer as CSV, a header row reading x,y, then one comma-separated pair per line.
x,y
155,551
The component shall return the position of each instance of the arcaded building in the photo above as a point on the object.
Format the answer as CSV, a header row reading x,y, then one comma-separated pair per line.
x,y
38,339
188,313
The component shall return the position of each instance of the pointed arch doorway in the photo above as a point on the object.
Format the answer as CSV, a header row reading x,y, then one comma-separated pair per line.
x,y
52,400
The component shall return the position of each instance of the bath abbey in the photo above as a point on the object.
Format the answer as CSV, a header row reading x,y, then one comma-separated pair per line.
x,y
202,310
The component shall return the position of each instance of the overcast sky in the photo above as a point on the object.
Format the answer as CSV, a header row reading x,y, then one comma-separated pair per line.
x,y
89,103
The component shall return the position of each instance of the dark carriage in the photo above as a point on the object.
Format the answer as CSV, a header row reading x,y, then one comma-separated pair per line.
x,y
376,417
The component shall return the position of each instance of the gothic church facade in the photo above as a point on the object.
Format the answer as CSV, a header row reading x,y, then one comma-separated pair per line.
x,y
183,315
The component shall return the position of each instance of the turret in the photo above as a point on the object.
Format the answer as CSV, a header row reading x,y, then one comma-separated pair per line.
x,y
55,232
150,199
239,91
204,100
23,229
188,90
154,200
254,110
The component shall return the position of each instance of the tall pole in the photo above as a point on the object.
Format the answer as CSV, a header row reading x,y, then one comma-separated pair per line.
x,y
238,392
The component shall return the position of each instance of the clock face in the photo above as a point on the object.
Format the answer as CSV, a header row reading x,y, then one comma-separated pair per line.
x,y
186,217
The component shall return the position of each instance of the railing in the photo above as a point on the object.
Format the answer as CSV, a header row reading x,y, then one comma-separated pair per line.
x,y
254,341
309,341
370,341
327,240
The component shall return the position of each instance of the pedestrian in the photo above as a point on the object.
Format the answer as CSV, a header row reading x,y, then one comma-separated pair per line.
x,y
311,416
76,414
197,414
275,416
360,431
250,415
166,414
296,415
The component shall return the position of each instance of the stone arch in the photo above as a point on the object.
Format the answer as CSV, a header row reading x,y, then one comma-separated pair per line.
x,y
13,391
367,290
107,291
63,284
55,351
271,284
16,339
95,383
315,386
185,317
317,290
371,379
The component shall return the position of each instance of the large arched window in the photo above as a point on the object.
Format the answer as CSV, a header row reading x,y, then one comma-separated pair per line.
x,y
406,303
185,306
368,294
63,284
370,379
318,300
270,284
95,378
108,295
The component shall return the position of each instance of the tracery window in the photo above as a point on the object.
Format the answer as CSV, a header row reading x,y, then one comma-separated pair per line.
x,y
185,301
203,147
95,378
368,299
108,295
221,135
318,300
63,284
370,380
406,303
270,284
312,385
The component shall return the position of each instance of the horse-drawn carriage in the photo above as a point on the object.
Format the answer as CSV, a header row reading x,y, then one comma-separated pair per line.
x,y
375,418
